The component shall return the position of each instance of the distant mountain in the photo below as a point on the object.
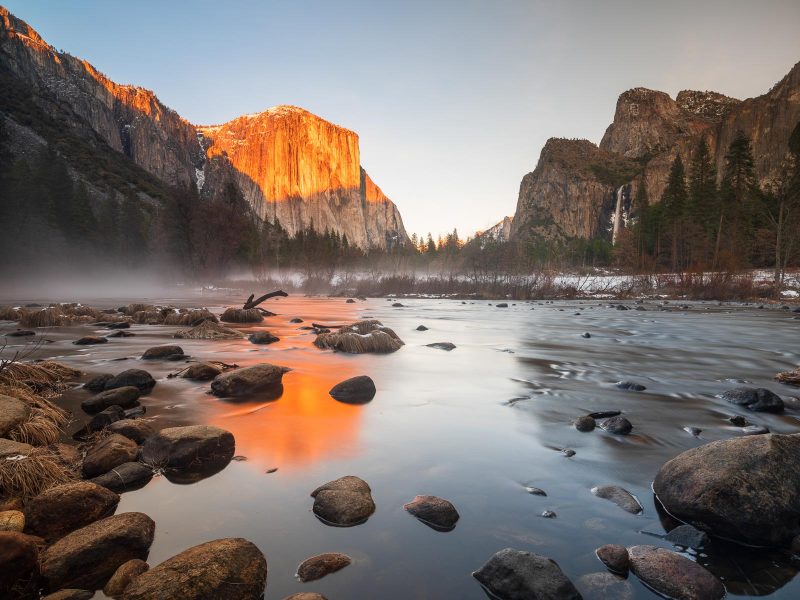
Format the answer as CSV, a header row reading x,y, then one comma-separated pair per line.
x,y
499,232
292,167
574,190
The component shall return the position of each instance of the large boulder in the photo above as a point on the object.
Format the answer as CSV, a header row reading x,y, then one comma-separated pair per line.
x,y
746,489
108,453
88,557
248,380
135,377
518,575
62,509
13,412
231,568
673,575
125,477
18,558
125,397
344,502
356,390
191,448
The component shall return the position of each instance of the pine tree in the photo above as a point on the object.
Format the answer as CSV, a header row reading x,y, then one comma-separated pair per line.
x,y
673,207
736,195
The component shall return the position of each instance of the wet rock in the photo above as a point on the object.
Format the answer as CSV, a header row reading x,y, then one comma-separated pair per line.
x,y
135,377
568,452
586,335
321,565
90,340
120,325
125,397
262,337
21,333
12,520
296,320
168,352
614,557
738,420
121,334
100,421
630,386
501,305
518,575
232,568
137,430
202,371
248,380
88,557
13,412
123,577
18,558
437,513
125,477
135,412
694,431
108,453
98,383
70,594
192,448
673,575
754,430
344,502
604,414
688,537
617,425
62,509
756,399
442,346
397,305
605,586
356,390
746,488
350,301
549,514
535,491
622,307
585,423
619,496
422,328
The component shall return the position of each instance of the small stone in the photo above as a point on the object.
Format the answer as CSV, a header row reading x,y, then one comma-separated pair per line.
x,y
585,423
694,431
422,328
630,386
586,335
90,340
437,513
605,414
738,420
344,502
619,496
614,557
535,491
755,399
442,346
262,337
321,565
397,305
568,452
296,320
617,425
190,448
549,514
501,305
169,352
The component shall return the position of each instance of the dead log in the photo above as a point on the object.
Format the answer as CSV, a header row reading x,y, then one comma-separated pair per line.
x,y
253,303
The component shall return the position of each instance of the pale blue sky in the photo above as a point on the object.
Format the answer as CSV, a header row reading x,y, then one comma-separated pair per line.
x,y
452,100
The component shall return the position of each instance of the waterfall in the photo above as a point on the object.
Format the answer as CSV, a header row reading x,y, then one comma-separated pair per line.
x,y
618,214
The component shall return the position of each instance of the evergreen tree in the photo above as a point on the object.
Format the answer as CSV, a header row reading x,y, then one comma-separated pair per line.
x,y
673,207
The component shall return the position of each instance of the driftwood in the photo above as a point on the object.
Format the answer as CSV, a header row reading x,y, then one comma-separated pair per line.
x,y
253,303
321,326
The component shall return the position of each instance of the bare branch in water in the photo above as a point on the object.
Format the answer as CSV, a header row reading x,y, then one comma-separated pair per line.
x,y
253,303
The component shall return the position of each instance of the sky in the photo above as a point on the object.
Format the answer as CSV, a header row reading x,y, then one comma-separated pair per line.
x,y
452,100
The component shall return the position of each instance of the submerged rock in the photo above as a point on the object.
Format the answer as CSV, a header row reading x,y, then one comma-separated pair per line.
x,y
619,496
617,425
755,399
344,502
630,386
190,448
614,557
231,568
605,586
90,340
688,537
202,371
98,383
62,509
746,489
125,477
321,565
673,575
356,390
248,380
135,377
262,337
422,328
88,557
442,346
437,513
518,575
108,453
125,397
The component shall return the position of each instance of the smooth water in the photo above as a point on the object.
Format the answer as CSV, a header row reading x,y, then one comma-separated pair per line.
x,y
475,426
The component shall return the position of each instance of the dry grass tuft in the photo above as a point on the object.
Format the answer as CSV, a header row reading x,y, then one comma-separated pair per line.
x,y
148,317
79,310
789,377
132,309
241,315
360,338
47,377
28,475
9,313
208,330
190,317
52,316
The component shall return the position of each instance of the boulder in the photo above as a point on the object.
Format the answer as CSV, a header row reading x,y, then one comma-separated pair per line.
x,y
619,496
321,565
13,412
101,420
437,513
135,377
62,509
232,568
755,399
169,352
108,453
356,390
12,520
88,557
123,577
262,337
90,340
248,380
617,425
673,575
745,488
125,477
344,502
191,448
585,423
442,346
98,383
518,575
614,557
18,558
201,371
125,397
137,430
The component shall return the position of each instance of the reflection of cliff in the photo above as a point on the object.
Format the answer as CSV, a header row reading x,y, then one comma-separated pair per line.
x,y
304,425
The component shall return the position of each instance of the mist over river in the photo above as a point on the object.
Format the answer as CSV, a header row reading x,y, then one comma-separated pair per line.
x,y
476,425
